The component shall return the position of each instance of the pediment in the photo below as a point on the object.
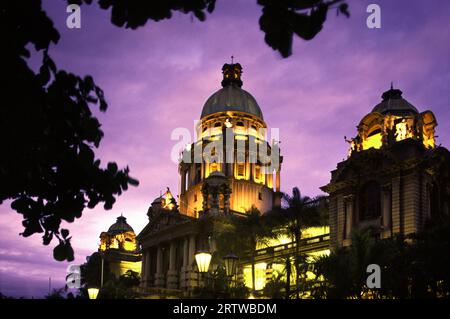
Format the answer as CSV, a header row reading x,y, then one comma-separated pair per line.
x,y
163,220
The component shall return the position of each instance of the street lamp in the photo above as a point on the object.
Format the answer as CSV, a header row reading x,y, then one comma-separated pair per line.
x,y
230,261
203,259
93,293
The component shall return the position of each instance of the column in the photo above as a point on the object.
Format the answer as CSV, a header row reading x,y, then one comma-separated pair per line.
x,y
148,273
226,202
185,252
172,274
277,195
191,253
277,181
183,181
386,201
205,196
348,218
191,279
144,268
269,182
184,268
159,276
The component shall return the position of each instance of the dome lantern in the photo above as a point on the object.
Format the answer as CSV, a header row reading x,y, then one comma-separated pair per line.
x,y
232,74
232,97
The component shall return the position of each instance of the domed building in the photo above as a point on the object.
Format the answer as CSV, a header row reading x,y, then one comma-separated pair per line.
x,y
120,249
233,178
395,177
229,169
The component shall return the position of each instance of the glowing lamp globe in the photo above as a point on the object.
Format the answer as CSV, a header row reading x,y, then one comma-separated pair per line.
x,y
93,293
203,259
230,264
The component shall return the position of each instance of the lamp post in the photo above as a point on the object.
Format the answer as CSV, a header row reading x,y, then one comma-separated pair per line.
x,y
93,293
203,259
230,262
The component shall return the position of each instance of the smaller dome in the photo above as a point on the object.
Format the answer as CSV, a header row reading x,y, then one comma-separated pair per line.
x,y
394,103
120,226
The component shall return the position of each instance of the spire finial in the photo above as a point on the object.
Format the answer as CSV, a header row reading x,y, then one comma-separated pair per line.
x,y
232,59
392,85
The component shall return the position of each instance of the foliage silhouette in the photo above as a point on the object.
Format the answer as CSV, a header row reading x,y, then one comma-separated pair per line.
x,y
416,267
217,286
48,167
241,236
298,213
280,19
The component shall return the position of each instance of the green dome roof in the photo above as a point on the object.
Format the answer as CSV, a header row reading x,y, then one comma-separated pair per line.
x,y
394,103
120,226
231,98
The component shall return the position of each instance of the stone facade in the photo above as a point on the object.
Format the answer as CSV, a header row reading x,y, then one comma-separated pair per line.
x,y
220,173
394,179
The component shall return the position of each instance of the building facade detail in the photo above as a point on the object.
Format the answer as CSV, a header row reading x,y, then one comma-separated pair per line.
x,y
385,182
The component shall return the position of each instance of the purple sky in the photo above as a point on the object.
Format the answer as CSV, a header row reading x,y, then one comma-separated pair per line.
x,y
158,77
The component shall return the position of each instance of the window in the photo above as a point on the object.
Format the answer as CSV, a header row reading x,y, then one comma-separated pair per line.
x,y
198,174
375,131
259,195
240,170
217,124
240,124
195,197
214,167
373,139
370,201
257,172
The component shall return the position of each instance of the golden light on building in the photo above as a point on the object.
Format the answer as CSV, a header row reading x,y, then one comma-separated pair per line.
x,y
393,120
260,275
231,112
93,293
119,247
203,259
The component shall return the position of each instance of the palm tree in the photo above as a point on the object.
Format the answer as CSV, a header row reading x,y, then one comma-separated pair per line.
x,y
297,214
242,235
343,272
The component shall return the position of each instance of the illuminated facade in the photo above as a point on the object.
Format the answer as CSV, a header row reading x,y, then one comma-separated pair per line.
x,y
227,176
119,248
220,173
394,177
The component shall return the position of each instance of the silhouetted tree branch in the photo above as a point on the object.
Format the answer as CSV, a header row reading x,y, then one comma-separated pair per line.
x,y
280,19
48,168
48,133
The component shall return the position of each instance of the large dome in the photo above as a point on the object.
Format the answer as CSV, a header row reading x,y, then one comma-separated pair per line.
x,y
120,226
394,103
231,98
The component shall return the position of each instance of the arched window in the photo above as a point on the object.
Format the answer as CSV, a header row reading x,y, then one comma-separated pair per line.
x,y
370,201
